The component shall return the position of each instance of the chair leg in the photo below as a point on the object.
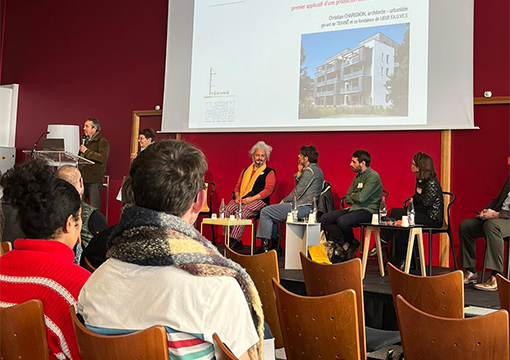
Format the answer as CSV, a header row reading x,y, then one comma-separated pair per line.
x,y
453,250
213,237
484,261
254,229
430,252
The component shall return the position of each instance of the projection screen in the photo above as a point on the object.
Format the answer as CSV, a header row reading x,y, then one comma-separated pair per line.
x,y
265,65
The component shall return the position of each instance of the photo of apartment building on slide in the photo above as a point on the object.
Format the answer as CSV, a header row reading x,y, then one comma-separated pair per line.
x,y
370,78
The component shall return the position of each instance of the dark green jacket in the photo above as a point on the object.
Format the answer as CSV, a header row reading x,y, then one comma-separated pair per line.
x,y
98,149
365,191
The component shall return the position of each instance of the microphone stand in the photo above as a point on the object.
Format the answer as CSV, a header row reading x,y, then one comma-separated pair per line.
x,y
37,142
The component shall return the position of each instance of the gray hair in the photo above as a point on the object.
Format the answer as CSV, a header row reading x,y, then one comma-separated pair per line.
x,y
95,123
261,145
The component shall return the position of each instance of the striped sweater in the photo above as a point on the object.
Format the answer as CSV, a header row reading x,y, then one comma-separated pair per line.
x,y
44,269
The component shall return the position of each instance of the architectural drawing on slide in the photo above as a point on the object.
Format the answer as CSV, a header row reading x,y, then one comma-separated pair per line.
x,y
358,76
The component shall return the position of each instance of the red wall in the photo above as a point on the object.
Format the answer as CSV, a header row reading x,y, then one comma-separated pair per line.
x,y
106,59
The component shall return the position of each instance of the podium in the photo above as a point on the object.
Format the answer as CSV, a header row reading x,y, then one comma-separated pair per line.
x,y
58,158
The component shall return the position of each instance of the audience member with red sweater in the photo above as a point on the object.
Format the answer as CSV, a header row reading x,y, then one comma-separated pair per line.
x,y
41,266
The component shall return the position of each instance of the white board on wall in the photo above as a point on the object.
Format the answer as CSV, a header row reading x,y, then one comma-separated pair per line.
x,y
8,114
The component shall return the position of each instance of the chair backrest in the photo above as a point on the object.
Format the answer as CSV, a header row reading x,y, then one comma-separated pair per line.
x,y
440,295
223,353
447,222
209,189
446,219
88,265
323,327
262,268
426,336
504,292
147,344
5,247
23,332
326,279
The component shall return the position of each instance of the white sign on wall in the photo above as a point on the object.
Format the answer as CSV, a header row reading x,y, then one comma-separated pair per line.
x,y
8,114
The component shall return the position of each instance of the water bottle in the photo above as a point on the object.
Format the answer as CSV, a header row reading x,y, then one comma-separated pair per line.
x,y
222,209
239,212
382,210
312,218
294,210
410,212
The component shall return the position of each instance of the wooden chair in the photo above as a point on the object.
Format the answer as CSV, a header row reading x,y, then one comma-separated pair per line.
x,y
88,265
224,353
445,229
149,344
323,327
441,295
326,279
262,268
426,336
23,332
5,247
504,292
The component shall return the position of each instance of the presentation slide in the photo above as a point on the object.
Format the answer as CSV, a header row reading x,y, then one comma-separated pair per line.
x,y
314,64
292,65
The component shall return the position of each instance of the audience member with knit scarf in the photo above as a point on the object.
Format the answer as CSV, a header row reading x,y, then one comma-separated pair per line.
x,y
162,271
41,266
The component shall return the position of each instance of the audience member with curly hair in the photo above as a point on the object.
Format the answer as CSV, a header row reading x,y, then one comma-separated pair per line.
x,y
41,266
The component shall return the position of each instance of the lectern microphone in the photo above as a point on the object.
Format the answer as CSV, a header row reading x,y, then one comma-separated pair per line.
x,y
37,142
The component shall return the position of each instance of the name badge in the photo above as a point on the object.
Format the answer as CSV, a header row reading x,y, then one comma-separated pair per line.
x,y
418,190
360,185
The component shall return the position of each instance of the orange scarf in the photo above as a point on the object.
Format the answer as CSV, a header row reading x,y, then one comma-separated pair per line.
x,y
249,180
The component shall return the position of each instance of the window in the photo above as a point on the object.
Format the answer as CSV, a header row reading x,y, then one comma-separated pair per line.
x,y
387,59
382,57
387,71
382,71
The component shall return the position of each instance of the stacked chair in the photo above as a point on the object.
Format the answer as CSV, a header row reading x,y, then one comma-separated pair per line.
x,y
431,320
324,279
262,268
318,327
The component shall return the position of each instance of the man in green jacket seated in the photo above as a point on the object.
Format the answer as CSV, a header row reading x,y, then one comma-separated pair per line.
x,y
364,196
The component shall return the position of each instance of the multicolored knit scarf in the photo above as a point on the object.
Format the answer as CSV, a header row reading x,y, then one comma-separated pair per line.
x,y
150,238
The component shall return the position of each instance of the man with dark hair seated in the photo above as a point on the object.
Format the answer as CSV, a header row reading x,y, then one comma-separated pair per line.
x,y
309,181
364,195
162,271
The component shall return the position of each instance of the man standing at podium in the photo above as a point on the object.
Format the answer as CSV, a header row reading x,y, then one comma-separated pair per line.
x,y
96,148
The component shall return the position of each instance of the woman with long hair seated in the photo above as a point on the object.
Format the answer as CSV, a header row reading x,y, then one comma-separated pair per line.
x,y
428,204
41,266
